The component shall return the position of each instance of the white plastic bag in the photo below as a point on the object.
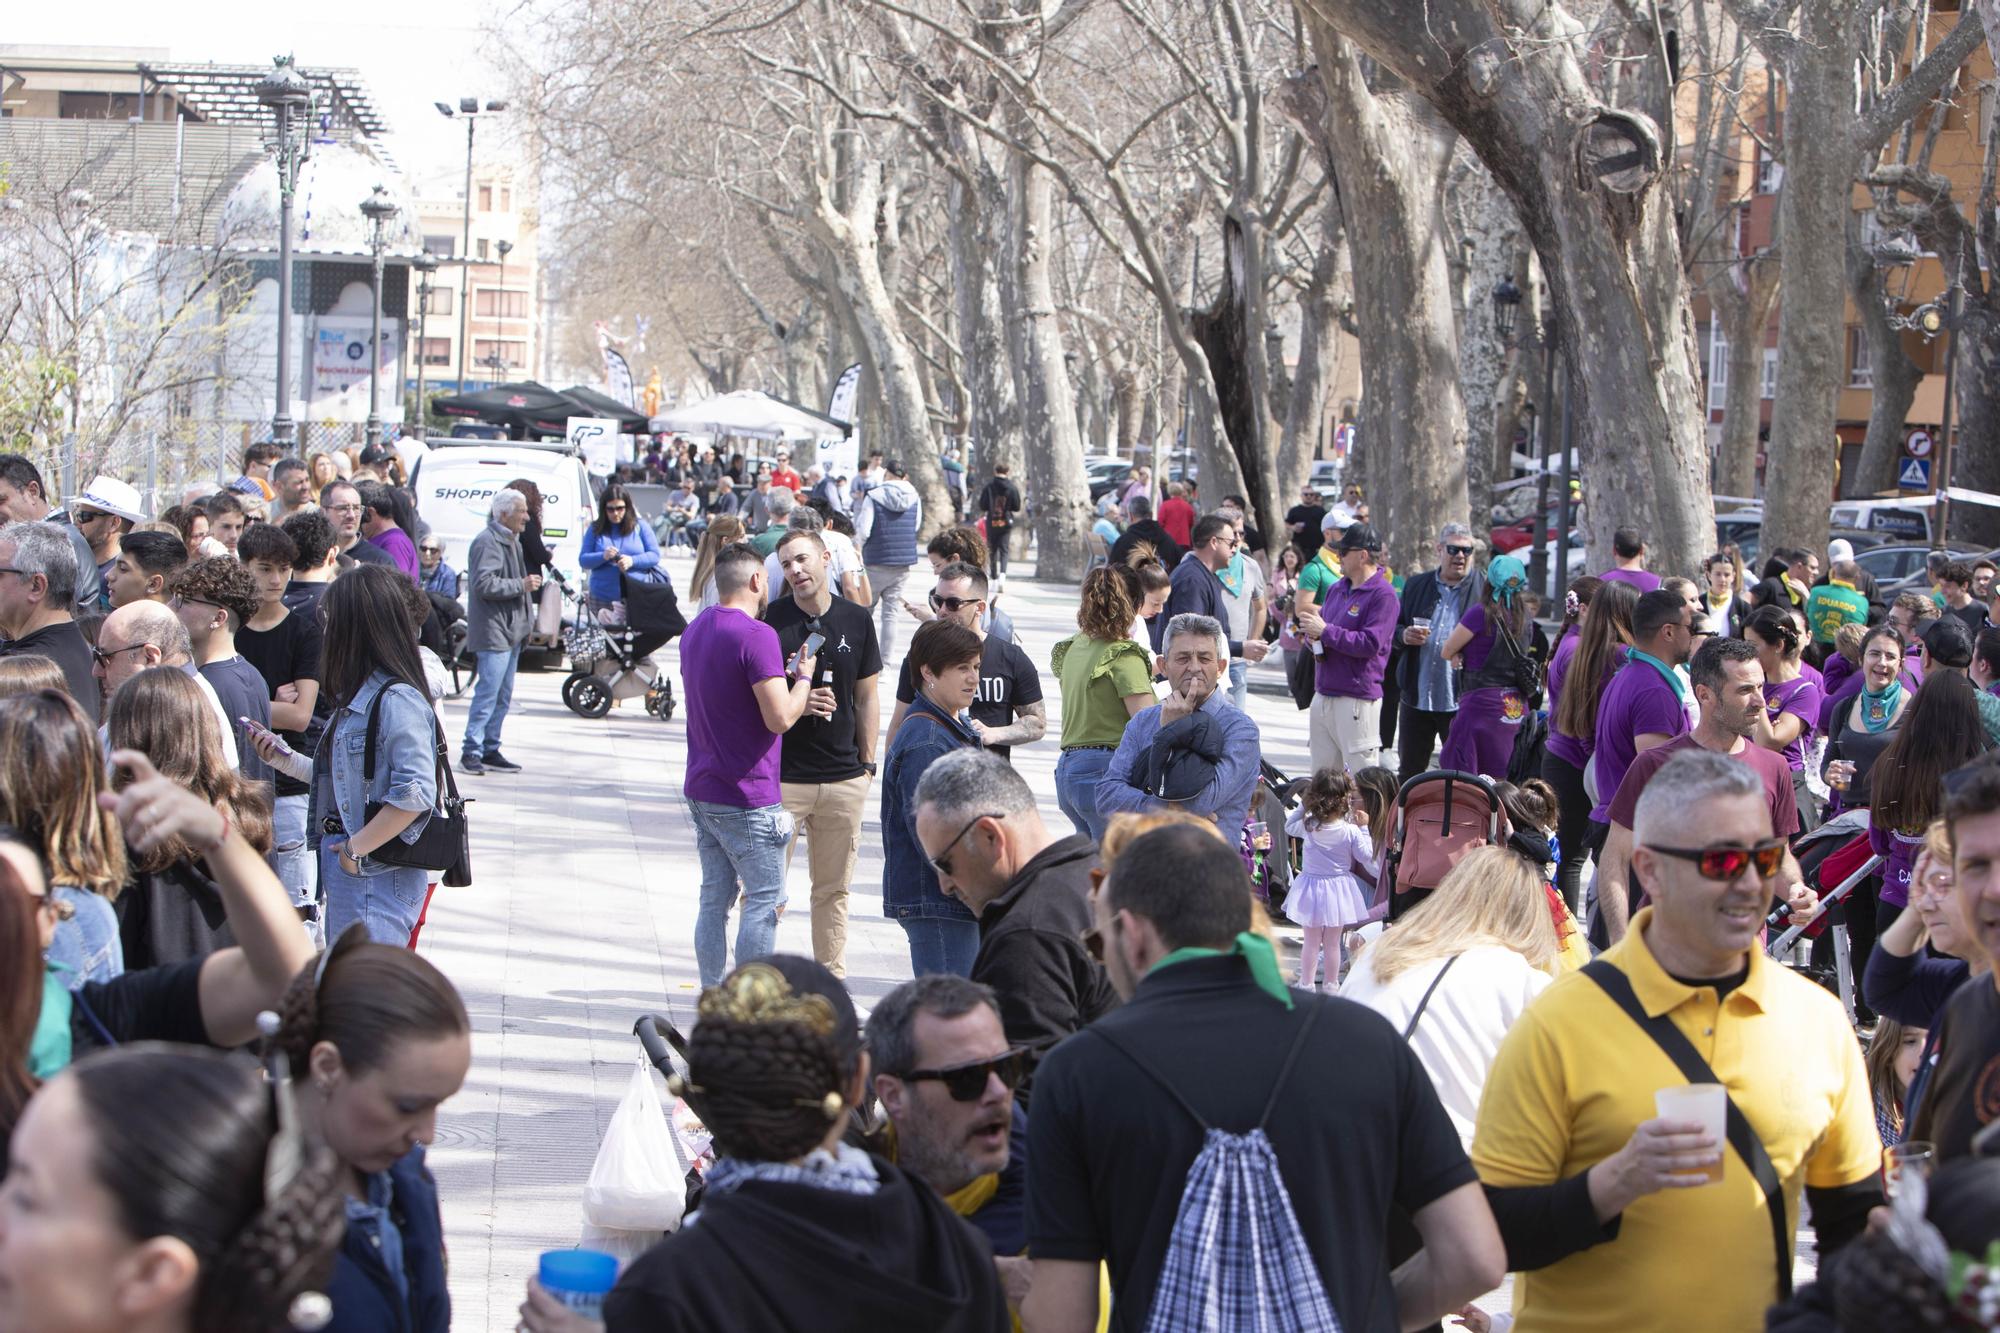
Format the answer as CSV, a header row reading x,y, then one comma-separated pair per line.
x,y
637,1182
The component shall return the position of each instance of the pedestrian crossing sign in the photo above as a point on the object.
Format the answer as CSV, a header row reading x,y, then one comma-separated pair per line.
x,y
1915,474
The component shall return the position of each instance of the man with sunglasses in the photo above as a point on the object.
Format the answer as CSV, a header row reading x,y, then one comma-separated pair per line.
x,y
1429,688
978,824
1197,582
1728,685
1612,1212
104,513
147,634
1009,710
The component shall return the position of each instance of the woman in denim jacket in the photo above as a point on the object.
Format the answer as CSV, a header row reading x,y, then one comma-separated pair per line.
x,y
371,650
51,771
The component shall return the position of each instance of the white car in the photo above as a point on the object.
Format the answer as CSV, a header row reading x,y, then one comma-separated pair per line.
x,y
456,481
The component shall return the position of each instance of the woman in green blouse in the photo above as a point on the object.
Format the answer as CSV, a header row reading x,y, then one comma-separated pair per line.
x,y
1106,678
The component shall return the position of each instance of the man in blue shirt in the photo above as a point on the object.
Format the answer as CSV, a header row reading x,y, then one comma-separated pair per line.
x,y
1197,654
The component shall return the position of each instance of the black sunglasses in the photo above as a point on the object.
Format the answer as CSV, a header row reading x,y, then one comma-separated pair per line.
x,y
967,1083
953,605
1458,550
943,859
1726,860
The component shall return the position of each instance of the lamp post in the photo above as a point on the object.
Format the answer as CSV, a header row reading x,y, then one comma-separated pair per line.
x,y
426,264
289,96
469,108
1506,313
378,208
1932,320
500,299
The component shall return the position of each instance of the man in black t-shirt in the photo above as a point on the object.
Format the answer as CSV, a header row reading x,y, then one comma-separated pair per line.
x,y
284,646
998,503
1009,709
825,763
1962,1099
214,598
38,573
1209,1030
1303,521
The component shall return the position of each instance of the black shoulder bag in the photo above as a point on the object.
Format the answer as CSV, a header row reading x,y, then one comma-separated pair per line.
x,y
446,842
1695,1069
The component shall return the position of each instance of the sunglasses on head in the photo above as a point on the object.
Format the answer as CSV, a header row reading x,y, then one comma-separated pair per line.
x,y
953,605
1726,860
967,1083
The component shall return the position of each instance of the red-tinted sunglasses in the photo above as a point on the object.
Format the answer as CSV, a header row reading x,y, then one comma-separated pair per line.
x,y
1726,860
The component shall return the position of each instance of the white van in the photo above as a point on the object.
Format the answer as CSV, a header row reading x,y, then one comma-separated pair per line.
x,y
456,480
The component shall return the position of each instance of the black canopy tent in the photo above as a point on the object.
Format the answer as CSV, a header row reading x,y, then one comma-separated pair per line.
x,y
512,406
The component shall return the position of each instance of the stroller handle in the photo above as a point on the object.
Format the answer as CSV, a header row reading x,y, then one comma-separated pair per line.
x,y
656,1034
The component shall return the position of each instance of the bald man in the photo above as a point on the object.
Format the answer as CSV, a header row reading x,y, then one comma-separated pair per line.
x,y
146,634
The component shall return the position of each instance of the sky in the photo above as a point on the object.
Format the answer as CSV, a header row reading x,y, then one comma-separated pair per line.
x,y
411,53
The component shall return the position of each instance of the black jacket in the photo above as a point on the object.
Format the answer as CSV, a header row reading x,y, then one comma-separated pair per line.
x,y
1420,598
1031,951
780,1258
1147,530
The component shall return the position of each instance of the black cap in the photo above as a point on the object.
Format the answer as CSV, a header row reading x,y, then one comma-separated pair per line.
x,y
1949,642
894,467
376,453
1359,537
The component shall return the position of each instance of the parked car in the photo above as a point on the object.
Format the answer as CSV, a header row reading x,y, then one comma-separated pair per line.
x,y
1902,568
1325,476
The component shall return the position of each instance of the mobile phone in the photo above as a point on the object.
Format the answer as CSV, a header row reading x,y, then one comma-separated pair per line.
x,y
810,648
256,728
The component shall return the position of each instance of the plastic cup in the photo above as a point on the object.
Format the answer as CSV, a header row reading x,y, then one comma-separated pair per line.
x,y
1839,774
580,1279
1912,1157
1704,1104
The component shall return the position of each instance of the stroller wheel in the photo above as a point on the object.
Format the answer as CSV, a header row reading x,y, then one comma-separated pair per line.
x,y
586,695
660,704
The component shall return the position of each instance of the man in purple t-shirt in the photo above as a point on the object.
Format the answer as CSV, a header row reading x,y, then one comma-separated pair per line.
x,y
1729,686
741,697
1630,548
1644,705
1350,633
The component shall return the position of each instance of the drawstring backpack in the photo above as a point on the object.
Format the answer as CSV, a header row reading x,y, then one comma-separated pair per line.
x,y
1237,1260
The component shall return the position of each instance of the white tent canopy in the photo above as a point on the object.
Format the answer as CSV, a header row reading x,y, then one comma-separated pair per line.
x,y
746,412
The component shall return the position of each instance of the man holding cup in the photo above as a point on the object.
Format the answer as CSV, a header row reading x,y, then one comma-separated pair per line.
x,y
1623,1208
1431,604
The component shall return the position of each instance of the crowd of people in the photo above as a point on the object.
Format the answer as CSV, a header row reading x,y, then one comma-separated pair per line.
x,y
1104,1099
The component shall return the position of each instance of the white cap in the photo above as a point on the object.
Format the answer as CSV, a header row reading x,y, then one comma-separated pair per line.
x,y
113,497
1839,549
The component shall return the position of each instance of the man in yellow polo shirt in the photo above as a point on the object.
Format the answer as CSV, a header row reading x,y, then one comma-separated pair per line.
x,y
1607,1208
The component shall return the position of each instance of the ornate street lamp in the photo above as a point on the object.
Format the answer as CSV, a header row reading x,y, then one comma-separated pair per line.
x,y
1506,308
426,264
289,96
378,208
1507,299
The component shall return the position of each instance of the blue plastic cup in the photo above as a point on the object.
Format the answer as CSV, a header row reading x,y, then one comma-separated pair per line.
x,y
579,1279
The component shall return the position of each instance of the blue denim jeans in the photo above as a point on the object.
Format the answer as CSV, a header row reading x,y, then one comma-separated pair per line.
x,y
388,904
941,944
291,860
1239,681
492,696
1077,772
737,844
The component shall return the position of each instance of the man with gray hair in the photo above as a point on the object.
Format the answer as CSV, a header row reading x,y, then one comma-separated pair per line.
x,y
779,506
1605,1192
977,822
38,569
500,612
1193,751
1431,605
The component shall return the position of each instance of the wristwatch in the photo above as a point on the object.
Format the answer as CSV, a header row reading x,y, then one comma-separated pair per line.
x,y
869,766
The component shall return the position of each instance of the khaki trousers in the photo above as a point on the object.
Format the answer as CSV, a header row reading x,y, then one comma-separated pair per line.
x,y
828,817
1345,733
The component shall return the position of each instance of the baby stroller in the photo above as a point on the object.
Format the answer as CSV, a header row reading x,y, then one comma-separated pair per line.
x,y
611,658
1440,816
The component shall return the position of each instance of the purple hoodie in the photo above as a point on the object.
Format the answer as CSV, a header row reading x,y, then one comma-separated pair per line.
x,y
1359,624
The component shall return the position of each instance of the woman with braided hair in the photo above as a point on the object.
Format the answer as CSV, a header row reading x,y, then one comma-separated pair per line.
x,y
797,1230
377,1039
160,1188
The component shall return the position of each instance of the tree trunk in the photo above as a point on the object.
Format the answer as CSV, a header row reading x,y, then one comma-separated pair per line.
x,y
1060,496
977,220
1975,463
1319,357
1893,378
1490,371
1606,237
1741,293
1391,156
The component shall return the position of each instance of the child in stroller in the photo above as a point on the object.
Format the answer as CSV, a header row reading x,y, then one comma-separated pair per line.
x,y
611,650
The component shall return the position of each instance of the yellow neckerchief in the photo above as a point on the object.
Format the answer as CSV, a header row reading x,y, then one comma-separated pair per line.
x,y
973,1197
1327,557
1842,583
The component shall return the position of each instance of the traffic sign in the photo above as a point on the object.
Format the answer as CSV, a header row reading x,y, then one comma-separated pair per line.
x,y
1918,444
1915,474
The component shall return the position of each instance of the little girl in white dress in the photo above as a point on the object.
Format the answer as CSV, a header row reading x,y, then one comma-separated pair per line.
x,y
1338,868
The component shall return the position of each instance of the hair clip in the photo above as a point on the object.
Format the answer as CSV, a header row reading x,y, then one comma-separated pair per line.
x,y
287,1154
829,1106
310,1311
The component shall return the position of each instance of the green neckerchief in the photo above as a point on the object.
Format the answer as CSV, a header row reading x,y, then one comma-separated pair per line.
x,y
1673,679
49,1050
1255,950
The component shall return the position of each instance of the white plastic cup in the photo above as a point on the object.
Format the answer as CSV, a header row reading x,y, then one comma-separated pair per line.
x,y
1704,1104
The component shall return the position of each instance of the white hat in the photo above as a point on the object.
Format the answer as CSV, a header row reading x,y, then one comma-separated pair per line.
x,y
1839,549
113,497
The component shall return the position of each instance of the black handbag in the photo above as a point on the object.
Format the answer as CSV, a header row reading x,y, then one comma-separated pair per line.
x,y
446,842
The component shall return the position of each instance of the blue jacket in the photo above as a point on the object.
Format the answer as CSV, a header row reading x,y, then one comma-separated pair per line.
x,y
640,544
1227,798
909,881
405,762
1197,591
366,1298
886,524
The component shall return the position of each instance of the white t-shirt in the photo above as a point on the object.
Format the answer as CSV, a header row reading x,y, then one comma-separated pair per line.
x,y
1468,1015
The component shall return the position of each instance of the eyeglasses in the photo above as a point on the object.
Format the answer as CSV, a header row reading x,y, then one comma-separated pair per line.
x,y
1458,550
103,656
953,605
967,1083
343,509
178,601
943,859
1726,860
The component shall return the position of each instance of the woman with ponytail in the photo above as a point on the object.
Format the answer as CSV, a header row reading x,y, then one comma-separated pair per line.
x,y
1791,699
1106,677
376,1039
1494,640
797,1230
165,1189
